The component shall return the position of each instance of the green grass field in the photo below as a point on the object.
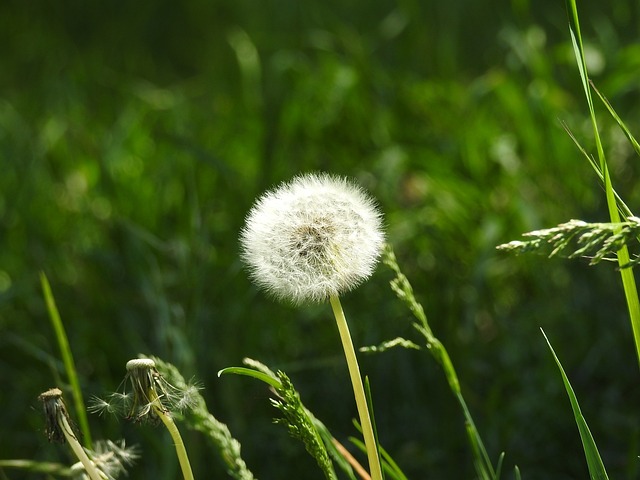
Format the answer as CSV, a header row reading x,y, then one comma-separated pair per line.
x,y
135,137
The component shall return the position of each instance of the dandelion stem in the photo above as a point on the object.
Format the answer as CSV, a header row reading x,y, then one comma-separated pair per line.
x,y
181,451
358,390
72,440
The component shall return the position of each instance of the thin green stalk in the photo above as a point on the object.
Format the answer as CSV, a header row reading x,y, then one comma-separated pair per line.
x,y
67,358
628,280
181,451
36,467
403,289
358,390
146,381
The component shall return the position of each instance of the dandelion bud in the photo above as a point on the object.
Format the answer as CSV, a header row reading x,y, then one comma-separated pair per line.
x,y
313,238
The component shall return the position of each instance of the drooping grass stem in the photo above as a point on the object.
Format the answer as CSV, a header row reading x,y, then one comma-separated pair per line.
x,y
358,390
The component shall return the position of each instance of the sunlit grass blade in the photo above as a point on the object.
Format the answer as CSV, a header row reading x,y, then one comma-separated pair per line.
x,y
624,210
628,280
367,392
67,358
389,466
617,118
594,462
516,473
251,373
499,466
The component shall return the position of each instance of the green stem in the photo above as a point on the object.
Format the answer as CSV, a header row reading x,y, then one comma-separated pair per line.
x,y
67,358
628,280
358,390
181,451
89,466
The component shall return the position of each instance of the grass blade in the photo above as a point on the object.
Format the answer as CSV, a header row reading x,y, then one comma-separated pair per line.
x,y
268,379
367,391
621,124
628,280
67,359
594,462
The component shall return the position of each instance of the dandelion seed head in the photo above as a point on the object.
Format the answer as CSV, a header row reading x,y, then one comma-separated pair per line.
x,y
311,238
140,363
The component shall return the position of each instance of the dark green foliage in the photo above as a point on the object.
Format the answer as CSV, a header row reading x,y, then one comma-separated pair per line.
x,y
198,417
134,136
597,470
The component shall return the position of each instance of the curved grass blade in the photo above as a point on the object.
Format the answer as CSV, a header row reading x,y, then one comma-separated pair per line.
x,y
251,373
594,461
616,117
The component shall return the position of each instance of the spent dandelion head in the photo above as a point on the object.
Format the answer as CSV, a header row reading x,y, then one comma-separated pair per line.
x,y
59,429
142,386
54,408
153,399
143,392
146,389
312,238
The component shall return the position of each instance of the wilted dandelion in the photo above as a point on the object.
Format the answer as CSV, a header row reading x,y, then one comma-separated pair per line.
x,y
58,429
311,240
150,398
133,402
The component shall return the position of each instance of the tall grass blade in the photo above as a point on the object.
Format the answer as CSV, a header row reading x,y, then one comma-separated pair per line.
x,y
389,467
594,462
628,280
617,118
367,392
67,359
624,210
248,372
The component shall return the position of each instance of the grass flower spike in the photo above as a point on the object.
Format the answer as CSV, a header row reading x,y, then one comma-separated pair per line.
x,y
311,240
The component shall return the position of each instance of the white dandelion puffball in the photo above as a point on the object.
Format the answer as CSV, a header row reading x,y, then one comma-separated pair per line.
x,y
314,237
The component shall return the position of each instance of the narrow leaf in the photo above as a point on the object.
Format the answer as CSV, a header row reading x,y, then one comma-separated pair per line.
x,y
594,462
67,359
251,373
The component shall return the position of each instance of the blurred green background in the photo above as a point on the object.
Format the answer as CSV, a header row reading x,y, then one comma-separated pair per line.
x,y
134,137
